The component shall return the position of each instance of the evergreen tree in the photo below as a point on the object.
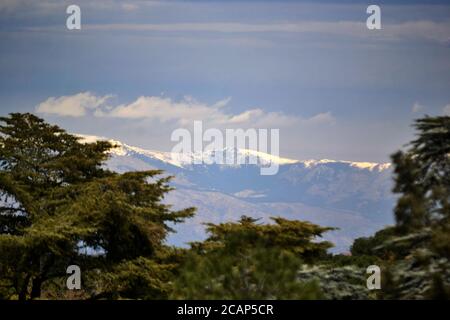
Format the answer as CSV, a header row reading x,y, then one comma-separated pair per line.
x,y
60,206
247,260
422,176
417,249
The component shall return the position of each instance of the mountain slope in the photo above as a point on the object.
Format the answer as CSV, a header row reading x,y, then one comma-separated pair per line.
x,y
353,196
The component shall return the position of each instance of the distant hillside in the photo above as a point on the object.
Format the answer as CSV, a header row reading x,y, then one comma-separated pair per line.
x,y
353,196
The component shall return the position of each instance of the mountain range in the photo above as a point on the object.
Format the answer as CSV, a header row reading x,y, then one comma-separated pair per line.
x,y
354,197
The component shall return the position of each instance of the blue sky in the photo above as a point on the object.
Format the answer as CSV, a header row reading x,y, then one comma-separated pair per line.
x,y
139,69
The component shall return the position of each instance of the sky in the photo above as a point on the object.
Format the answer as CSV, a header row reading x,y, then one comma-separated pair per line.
x,y
138,70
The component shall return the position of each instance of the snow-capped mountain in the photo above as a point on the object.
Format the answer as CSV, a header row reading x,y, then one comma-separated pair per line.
x,y
353,196
184,160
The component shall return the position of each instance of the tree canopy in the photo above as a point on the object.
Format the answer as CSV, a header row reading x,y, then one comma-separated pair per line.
x,y
416,251
422,176
250,260
60,206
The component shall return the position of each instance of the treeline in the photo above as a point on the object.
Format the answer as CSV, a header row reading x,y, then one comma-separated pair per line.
x,y
60,206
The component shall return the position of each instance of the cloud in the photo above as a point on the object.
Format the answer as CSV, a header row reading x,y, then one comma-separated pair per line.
x,y
322,118
166,110
246,116
437,31
222,103
425,29
71,106
417,108
38,8
446,110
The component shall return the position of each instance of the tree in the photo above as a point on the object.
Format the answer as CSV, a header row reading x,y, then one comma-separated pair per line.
x,y
422,176
417,249
60,206
247,260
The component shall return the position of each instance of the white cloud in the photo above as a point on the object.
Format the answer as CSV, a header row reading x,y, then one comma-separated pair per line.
x,y
321,118
446,110
222,103
71,106
182,112
246,116
417,107
165,109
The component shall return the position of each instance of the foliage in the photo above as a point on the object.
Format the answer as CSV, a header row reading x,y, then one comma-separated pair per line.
x,y
246,260
416,250
422,176
60,206
370,246
288,235
338,282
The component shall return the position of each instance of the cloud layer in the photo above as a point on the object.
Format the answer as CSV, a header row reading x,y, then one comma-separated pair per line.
x,y
72,106
164,109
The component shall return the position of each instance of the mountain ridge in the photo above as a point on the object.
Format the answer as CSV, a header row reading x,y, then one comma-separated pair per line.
x,y
122,149
353,196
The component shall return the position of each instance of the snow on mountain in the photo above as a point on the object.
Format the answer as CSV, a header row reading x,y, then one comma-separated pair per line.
x,y
356,197
187,159
208,157
361,165
121,149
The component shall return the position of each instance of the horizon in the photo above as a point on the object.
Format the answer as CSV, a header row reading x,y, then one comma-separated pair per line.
x,y
91,138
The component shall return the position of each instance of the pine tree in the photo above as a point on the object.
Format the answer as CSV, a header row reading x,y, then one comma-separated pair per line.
x,y
248,260
60,206
417,249
423,176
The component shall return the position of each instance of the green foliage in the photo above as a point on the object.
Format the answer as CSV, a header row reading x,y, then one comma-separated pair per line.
x,y
372,246
246,260
140,278
416,251
345,260
422,176
257,273
432,150
59,206
420,275
439,290
440,240
347,282
288,235
411,211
